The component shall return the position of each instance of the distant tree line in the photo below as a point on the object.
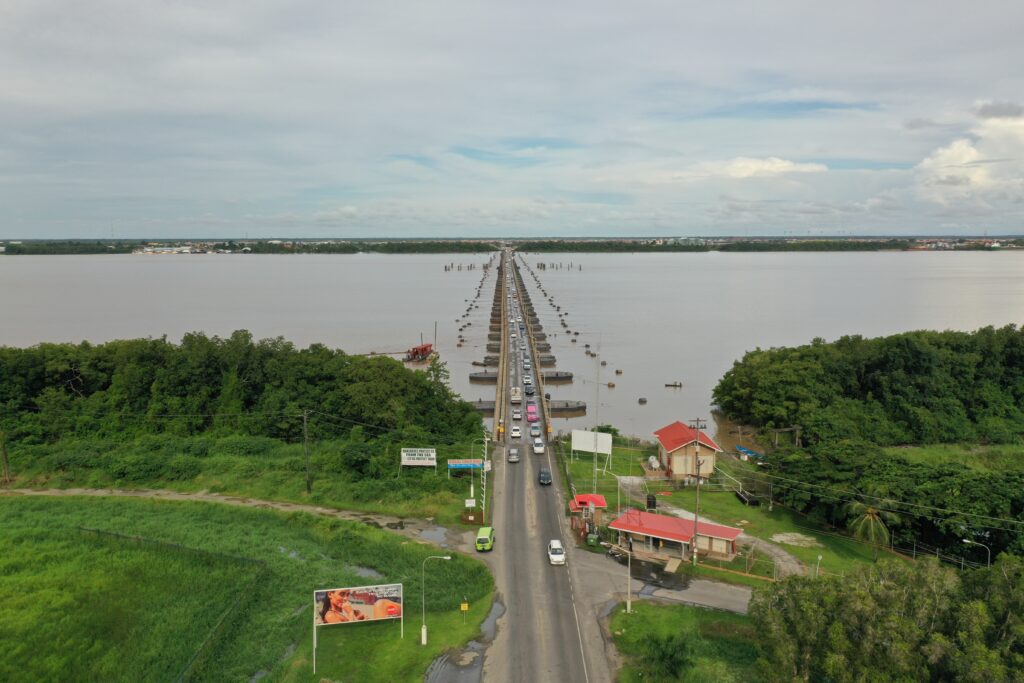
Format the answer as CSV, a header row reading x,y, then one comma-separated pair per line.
x,y
814,245
618,246
382,247
64,247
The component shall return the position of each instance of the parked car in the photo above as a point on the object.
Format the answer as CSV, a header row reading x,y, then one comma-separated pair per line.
x,y
513,455
556,553
485,538
544,477
516,432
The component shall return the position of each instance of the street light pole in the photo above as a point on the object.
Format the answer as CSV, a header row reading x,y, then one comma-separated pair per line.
x,y
697,425
423,627
817,567
629,582
987,549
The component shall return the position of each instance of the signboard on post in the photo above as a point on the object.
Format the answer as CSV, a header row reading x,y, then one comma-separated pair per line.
x,y
471,503
419,457
351,605
591,442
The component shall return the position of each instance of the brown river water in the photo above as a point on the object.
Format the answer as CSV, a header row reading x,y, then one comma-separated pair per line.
x,y
659,318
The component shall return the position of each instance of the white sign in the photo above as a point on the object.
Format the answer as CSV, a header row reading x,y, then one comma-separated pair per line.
x,y
419,457
471,503
591,442
487,466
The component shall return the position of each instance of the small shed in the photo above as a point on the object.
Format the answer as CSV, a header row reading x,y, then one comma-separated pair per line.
x,y
586,512
679,447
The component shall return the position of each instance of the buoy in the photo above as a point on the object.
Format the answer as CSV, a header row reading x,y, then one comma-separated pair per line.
x,y
642,401
573,340
603,363
611,385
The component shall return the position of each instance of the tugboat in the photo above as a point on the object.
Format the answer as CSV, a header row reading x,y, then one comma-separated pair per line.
x,y
419,354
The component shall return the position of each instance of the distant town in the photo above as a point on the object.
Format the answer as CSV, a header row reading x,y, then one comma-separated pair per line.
x,y
592,244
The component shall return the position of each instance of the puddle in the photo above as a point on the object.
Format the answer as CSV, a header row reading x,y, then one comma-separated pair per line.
x,y
467,665
367,572
436,534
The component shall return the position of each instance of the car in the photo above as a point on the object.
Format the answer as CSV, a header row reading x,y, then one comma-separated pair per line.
x,y
529,390
522,345
513,455
485,538
544,477
538,447
513,335
527,366
527,380
556,553
517,414
516,432
534,431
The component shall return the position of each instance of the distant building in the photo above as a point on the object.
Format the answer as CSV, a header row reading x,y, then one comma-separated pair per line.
x,y
678,450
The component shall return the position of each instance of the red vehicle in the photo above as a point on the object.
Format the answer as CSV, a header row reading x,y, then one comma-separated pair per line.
x,y
531,414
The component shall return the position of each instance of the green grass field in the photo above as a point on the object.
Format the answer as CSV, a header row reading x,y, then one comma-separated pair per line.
x,y
717,647
277,474
77,606
995,458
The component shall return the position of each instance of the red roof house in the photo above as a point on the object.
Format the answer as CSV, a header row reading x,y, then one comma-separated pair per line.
x,y
583,500
680,448
668,535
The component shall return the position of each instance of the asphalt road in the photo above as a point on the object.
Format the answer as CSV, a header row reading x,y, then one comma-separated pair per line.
x,y
543,635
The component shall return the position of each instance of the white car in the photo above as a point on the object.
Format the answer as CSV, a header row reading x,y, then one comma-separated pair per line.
x,y
516,432
556,553
538,446
517,414
527,380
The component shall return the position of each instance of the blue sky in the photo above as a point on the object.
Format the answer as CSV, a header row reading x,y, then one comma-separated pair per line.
x,y
393,119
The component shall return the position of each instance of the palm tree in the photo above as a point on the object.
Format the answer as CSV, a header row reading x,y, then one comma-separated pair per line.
x,y
869,520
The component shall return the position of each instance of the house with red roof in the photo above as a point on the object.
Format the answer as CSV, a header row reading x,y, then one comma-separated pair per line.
x,y
666,537
681,447
586,512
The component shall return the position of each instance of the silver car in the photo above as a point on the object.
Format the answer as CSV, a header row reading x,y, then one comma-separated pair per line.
x,y
513,455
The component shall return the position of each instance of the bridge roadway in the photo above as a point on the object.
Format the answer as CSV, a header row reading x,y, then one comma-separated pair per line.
x,y
544,634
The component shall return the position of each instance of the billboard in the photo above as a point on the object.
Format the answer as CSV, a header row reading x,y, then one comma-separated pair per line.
x,y
362,603
591,442
419,457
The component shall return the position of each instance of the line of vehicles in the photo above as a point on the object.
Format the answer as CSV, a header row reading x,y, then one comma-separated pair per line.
x,y
534,434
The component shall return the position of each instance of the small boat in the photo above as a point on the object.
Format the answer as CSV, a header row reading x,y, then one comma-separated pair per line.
x,y
642,401
674,385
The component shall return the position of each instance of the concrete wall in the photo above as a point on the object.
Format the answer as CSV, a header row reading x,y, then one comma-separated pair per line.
x,y
683,463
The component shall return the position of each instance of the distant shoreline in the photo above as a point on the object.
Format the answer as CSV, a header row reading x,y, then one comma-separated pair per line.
x,y
482,246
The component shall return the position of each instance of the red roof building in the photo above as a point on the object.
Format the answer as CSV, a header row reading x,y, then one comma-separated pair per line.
x,y
685,452
583,500
672,536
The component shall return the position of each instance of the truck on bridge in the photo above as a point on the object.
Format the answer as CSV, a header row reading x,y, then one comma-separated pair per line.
x,y
517,396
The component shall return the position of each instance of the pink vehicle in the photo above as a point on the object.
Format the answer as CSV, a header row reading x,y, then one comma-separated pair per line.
x,y
531,414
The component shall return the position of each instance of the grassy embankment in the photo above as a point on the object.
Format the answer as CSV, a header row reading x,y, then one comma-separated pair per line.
x,y
253,467
91,607
680,643
839,553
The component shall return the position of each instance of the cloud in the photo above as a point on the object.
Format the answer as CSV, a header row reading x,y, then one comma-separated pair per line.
x,y
746,167
980,171
920,124
999,110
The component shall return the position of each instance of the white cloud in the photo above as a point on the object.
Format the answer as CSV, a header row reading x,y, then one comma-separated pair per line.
x,y
985,168
747,167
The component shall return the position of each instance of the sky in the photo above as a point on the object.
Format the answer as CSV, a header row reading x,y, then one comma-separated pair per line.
x,y
177,118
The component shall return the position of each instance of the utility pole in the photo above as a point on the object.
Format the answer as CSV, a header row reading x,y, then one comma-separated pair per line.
x,y
305,449
6,476
697,424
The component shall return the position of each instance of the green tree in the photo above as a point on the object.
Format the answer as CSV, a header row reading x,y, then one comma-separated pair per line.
x,y
870,520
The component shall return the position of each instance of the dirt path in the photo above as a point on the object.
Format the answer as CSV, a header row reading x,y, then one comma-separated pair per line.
x,y
787,563
420,530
